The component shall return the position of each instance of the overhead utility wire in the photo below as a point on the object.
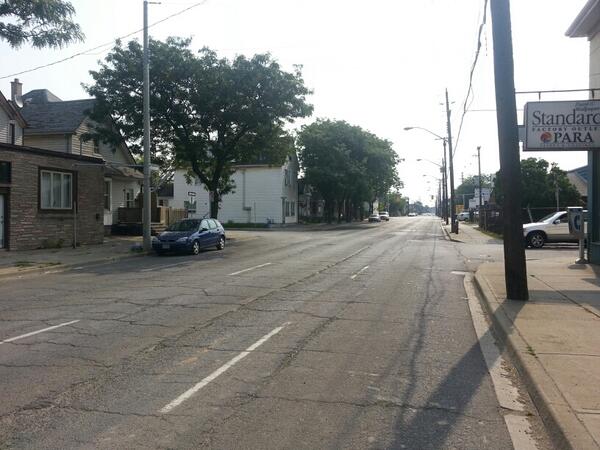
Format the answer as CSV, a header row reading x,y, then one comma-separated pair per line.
x,y
473,66
87,52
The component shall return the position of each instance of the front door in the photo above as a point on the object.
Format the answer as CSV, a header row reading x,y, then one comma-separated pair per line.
x,y
2,221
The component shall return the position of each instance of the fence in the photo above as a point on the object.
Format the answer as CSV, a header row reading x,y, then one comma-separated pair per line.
x,y
492,216
160,214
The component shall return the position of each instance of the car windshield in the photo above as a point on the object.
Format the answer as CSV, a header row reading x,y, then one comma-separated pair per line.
x,y
184,225
548,217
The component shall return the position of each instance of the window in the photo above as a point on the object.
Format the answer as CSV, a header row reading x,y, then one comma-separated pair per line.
x,y
107,195
129,198
96,146
12,133
286,177
204,225
287,208
211,224
4,172
293,209
56,190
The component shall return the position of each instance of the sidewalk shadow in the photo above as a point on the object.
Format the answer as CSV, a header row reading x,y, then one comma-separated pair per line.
x,y
433,423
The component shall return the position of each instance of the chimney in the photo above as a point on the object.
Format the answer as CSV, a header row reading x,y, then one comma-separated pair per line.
x,y
16,92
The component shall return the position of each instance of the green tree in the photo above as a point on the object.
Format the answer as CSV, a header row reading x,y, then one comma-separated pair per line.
x,y
466,189
539,181
396,204
347,165
43,23
207,113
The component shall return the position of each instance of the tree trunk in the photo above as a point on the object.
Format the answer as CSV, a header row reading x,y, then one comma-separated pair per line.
x,y
214,205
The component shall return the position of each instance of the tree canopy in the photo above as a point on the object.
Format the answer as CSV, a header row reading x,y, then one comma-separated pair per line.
x,y
469,185
539,180
346,164
42,23
207,113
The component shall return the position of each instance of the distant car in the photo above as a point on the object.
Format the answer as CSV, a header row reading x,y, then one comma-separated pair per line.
x,y
552,228
412,214
384,215
374,218
190,235
463,215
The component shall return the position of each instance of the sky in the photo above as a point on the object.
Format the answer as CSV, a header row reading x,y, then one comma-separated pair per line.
x,y
383,64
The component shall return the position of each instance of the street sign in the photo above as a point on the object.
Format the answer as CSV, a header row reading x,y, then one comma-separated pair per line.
x,y
563,125
191,194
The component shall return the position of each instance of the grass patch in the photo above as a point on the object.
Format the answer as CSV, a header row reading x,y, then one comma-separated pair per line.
x,y
24,264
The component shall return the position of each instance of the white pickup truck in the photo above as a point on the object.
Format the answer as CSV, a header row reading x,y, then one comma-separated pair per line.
x,y
552,228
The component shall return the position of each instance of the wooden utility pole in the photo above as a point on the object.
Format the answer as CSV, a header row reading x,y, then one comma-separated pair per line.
x,y
453,221
515,270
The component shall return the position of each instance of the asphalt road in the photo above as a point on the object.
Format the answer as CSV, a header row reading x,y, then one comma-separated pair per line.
x,y
354,337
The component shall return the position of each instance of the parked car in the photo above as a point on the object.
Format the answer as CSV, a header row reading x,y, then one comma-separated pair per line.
x,y
384,215
412,214
190,235
374,218
552,228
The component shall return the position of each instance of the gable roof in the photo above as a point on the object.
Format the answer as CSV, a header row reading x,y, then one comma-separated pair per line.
x,y
579,178
587,22
40,96
55,117
12,111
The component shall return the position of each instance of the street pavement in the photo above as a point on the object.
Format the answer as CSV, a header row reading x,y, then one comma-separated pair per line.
x,y
354,337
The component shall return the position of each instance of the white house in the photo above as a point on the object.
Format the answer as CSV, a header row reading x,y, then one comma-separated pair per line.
x,y
262,193
60,126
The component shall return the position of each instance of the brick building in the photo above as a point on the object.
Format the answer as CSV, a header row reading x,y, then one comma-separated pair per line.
x,y
48,198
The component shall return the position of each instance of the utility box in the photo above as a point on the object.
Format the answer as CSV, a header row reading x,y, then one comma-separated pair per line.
x,y
576,222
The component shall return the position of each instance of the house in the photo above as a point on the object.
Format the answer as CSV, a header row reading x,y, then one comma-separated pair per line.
x,y
263,193
60,126
579,178
587,25
47,198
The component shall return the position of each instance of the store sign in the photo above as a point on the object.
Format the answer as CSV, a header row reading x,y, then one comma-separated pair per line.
x,y
570,125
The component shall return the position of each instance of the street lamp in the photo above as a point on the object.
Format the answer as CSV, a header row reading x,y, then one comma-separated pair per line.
x,y
444,166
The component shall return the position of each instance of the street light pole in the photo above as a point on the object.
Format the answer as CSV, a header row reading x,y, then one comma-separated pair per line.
x,y
515,269
146,210
454,223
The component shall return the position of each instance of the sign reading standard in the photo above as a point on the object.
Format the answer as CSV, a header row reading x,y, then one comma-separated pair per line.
x,y
573,125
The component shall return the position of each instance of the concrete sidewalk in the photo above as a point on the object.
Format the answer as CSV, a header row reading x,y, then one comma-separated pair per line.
x,y
554,339
18,263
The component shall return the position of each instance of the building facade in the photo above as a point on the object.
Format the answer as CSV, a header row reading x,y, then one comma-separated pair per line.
x,y
263,194
48,199
587,24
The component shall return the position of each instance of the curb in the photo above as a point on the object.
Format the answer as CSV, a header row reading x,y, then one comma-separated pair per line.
x,y
64,267
562,424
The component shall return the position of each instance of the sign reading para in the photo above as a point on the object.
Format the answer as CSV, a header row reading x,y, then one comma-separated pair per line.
x,y
565,125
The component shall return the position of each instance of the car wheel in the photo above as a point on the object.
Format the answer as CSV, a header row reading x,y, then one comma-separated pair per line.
x,y
221,244
536,239
196,248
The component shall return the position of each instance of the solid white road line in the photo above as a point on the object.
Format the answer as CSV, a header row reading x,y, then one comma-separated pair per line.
x,y
359,272
38,332
506,392
251,268
232,362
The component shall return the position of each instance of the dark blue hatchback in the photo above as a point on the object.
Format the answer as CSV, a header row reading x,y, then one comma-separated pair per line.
x,y
190,235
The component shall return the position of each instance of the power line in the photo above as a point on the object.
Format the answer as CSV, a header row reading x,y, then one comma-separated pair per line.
x,y
473,66
106,44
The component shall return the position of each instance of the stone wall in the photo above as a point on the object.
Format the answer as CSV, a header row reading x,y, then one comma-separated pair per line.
x,y
30,226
